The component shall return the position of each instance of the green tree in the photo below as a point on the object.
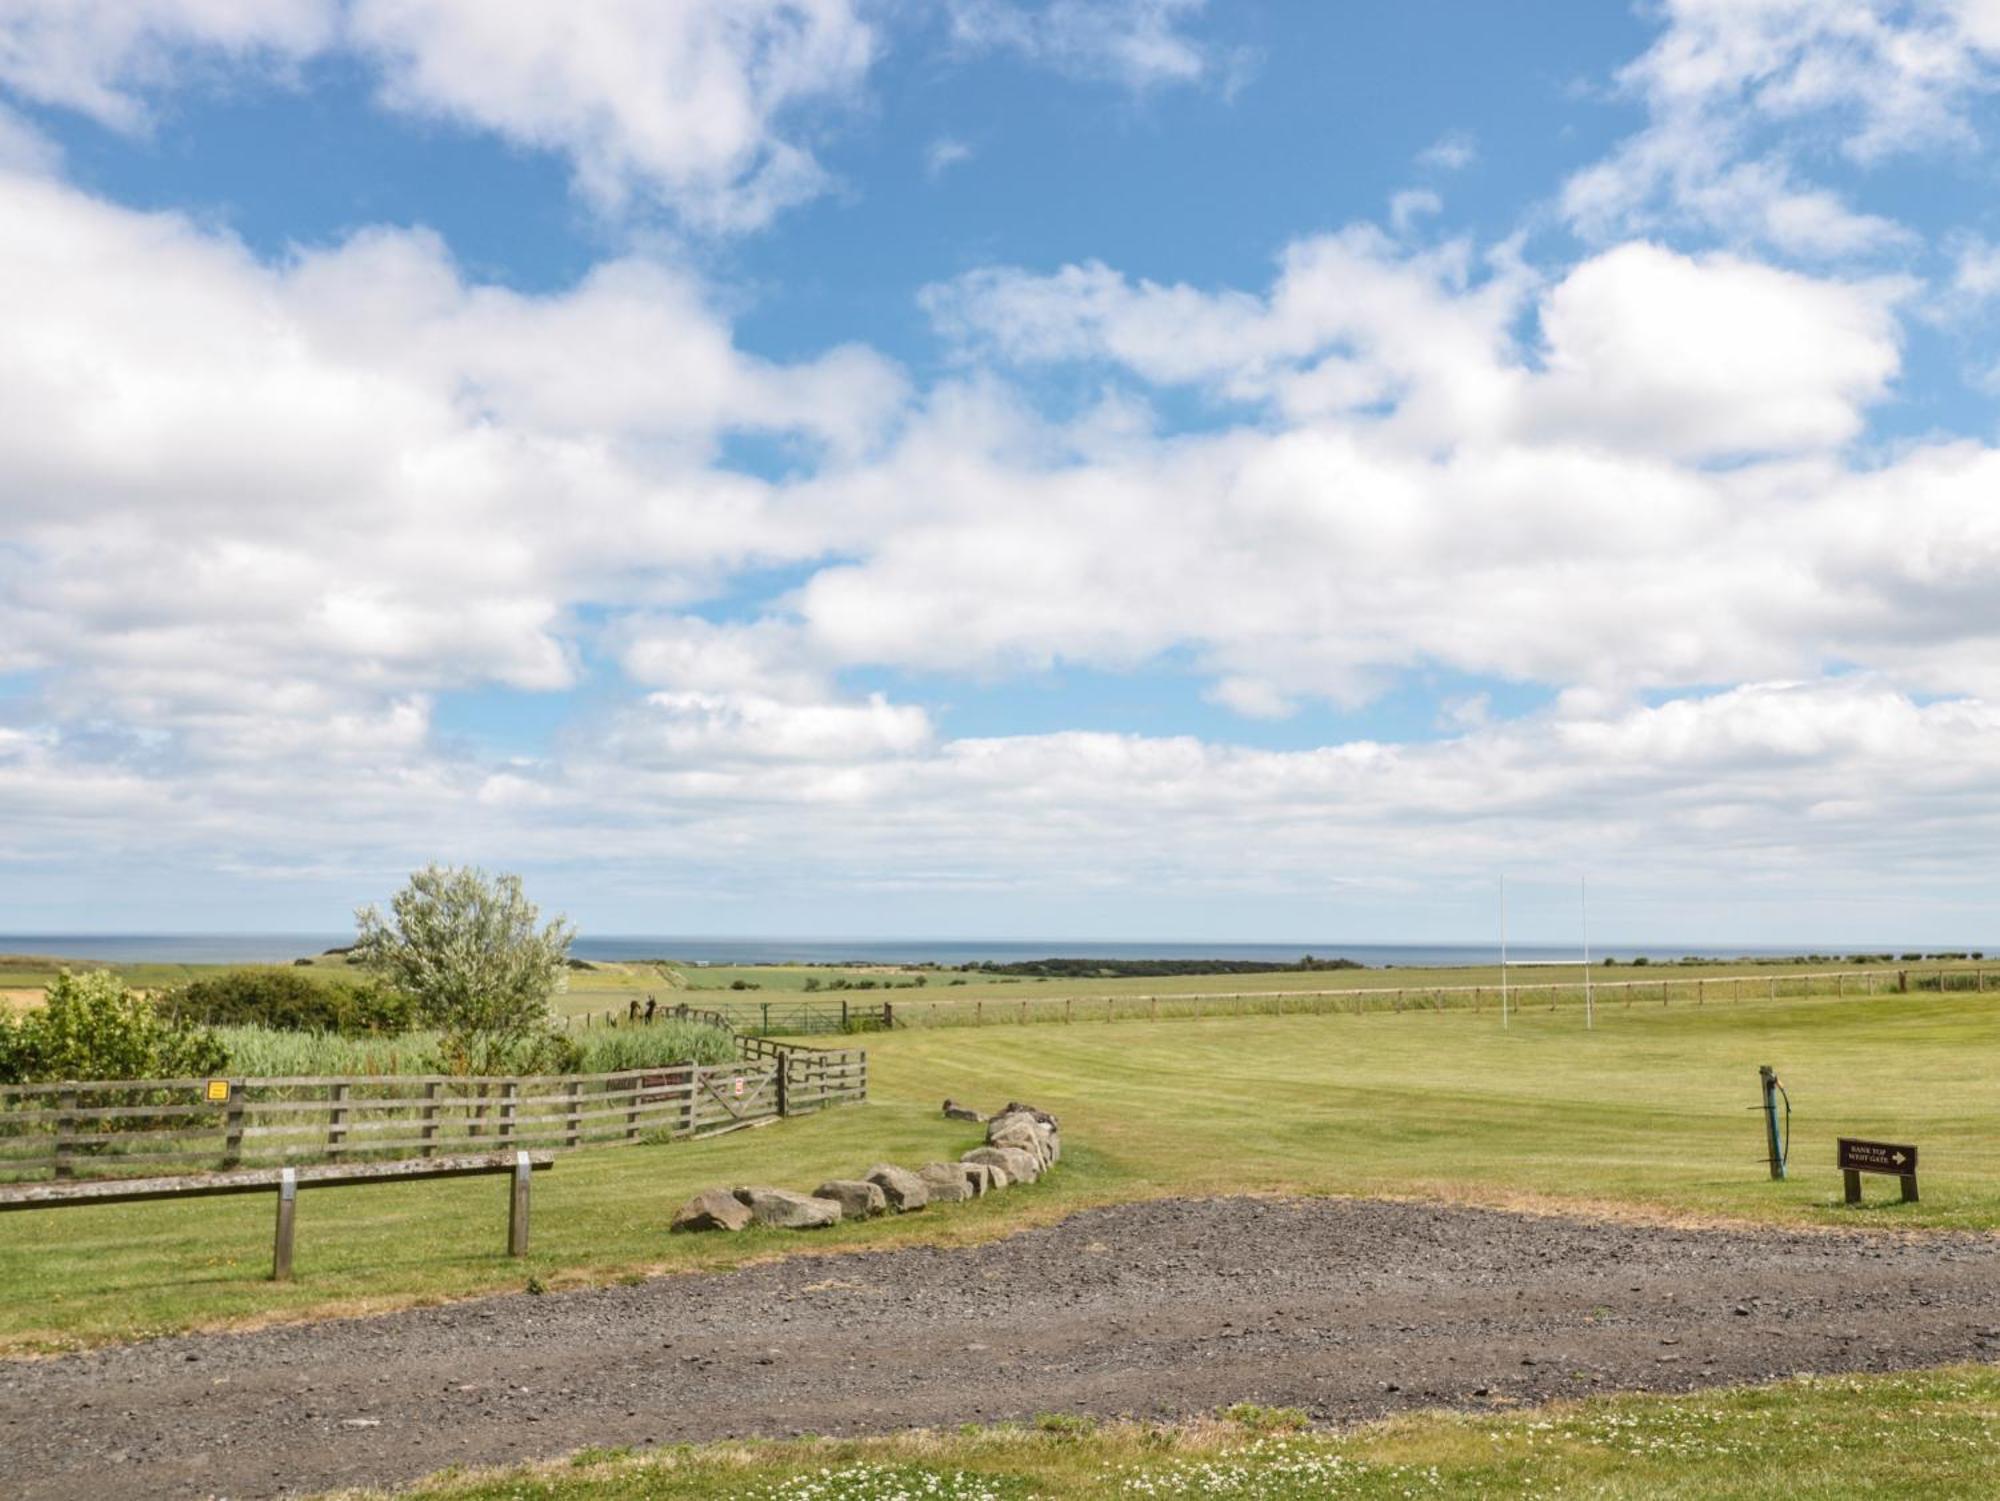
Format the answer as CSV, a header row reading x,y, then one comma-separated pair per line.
x,y
469,950
92,1027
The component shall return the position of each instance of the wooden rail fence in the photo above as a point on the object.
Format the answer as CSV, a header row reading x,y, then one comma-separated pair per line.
x,y
787,1018
116,1128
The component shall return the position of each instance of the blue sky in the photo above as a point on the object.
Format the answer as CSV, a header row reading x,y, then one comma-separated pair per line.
x,y
1125,468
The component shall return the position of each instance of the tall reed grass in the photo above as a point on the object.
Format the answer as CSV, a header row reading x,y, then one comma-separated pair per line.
x,y
263,1052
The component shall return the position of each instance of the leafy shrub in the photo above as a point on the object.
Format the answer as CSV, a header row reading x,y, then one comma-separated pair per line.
x,y
92,1027
468,948
293,1002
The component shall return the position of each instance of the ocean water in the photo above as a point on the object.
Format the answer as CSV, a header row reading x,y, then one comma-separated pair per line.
x,y
279,948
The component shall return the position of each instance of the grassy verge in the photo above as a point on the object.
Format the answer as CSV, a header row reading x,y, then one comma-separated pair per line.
x,y
1932,1434
1648,1110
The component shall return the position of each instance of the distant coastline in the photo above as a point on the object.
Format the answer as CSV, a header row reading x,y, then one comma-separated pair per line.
x,y
278,948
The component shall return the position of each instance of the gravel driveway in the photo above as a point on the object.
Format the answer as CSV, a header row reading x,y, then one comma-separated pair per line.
x,y
1348,1308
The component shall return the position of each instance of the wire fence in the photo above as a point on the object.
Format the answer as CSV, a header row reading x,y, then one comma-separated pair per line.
x,y
1541,995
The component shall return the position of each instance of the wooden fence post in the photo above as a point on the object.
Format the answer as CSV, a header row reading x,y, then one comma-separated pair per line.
x,y
336,1124
784,1066
573,1113
632,1107
65,1127
510,1094
517,1206
281,1241
430,1115
232,1126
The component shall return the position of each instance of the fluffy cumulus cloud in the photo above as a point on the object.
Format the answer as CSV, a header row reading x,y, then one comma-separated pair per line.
x,y
261,521
106,57
696,105
689,101
240,497
1739,90
706,108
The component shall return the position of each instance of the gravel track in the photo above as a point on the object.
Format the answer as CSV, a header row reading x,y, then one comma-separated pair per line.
x,y
1347,1308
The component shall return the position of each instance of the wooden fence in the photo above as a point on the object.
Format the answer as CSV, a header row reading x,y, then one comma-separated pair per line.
x,y
784,1018
114,1128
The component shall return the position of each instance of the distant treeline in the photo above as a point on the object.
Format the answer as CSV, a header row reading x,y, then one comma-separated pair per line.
x,y
1143,969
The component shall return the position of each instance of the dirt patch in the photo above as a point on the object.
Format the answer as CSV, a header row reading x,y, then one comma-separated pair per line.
x,y
1347,1308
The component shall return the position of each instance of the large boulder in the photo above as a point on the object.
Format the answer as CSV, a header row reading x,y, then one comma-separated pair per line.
x,y
946,1181
715,1210
1019,1166
904,1190
857,1200
782,1209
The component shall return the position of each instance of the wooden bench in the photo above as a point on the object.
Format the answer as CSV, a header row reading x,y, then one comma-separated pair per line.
x,y
286,1182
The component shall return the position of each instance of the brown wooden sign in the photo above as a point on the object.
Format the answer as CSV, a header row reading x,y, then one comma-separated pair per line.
x,y
1897,1159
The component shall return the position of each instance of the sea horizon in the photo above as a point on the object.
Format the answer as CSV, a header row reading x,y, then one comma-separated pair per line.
x,y
282,947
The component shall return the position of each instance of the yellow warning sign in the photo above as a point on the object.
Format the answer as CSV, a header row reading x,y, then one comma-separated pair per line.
x,y
216,1092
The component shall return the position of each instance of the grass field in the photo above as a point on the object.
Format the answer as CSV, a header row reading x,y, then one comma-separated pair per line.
x,y
609,986
1931,1434
1650,1110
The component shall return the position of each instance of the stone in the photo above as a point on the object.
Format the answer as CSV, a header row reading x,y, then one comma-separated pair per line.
x,y
1015,1107
978,1177
1033,1131
946,1181
782,1209
903,1188
857,1200
714,1210
1019,1166
1021,1132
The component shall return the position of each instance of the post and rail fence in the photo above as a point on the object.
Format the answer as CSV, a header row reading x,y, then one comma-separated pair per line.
x,y
782,1018
117,1128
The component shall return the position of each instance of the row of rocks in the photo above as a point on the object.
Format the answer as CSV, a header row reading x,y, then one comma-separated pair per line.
x,y
1021,1144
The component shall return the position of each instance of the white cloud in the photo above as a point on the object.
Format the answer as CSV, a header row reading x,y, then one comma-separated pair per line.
x,y
1643,348
690,102
1137,43
707,108
696,105
1412,204
242,500
1872,78
1452,152
1976,272
943,154
1713,357
103,57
